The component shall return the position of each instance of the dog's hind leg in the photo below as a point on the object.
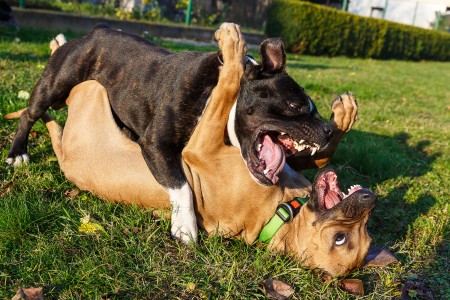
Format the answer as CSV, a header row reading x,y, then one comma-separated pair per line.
x,y
51,90
54,128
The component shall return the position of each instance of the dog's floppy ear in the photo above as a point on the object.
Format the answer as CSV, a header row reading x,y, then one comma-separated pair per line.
x,y
353,286
379,257
272,55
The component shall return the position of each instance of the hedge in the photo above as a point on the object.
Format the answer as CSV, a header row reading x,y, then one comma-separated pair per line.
x,y
318,30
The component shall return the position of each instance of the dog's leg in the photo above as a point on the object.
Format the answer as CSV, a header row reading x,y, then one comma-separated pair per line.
x,y
18,153
345,110
183,219
55,130
62,73
165,159
204,143
208,136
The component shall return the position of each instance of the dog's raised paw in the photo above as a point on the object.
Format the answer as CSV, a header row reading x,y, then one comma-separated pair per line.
x,y
345,110
231,41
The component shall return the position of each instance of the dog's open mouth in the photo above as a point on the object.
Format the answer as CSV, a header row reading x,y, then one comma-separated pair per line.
x,y
273,147
328,192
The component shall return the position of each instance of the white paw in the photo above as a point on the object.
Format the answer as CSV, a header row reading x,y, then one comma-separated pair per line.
x,y
184,225
183,221
18,160
60,39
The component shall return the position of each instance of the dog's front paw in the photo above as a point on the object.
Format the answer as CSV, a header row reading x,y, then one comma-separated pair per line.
x,y
231,42
18,160
345,110
184,225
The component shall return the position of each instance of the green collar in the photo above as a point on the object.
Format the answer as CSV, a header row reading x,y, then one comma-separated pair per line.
x,y
285,213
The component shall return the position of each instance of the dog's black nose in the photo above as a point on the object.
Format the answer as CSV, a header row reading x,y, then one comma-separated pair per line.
x,y
366,197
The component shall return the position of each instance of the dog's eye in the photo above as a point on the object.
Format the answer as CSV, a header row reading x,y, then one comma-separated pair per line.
x,y
340,239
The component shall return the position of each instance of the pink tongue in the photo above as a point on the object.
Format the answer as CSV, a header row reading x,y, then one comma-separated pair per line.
x,y
274,158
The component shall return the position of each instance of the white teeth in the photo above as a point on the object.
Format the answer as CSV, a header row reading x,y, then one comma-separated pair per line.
x,y
259,147
353,188
266,171
283,133
298,147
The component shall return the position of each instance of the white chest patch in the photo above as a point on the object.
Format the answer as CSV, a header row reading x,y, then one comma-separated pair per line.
x,y
231,127
311,105
206,105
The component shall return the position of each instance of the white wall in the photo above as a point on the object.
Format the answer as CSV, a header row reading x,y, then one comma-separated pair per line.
x,y
130,5
402,11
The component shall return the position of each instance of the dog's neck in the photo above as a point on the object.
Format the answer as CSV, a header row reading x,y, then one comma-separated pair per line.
x,y
291,237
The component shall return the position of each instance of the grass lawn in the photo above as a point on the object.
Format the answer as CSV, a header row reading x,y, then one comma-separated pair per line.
x,y
399,148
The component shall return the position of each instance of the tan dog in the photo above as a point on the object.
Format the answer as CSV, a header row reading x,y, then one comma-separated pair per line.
x,y
329,232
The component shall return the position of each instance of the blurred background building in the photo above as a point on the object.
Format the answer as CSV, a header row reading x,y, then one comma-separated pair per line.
x,y
421,13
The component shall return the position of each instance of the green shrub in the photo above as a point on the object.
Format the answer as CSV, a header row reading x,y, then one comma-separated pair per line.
x,y
319,30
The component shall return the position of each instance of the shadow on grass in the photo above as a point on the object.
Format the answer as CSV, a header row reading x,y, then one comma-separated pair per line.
x,y
393,215
378,158
395,164
372,159
310,67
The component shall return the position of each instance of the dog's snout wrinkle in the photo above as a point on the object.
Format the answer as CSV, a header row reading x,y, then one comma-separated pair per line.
x,y
328,130
350,211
